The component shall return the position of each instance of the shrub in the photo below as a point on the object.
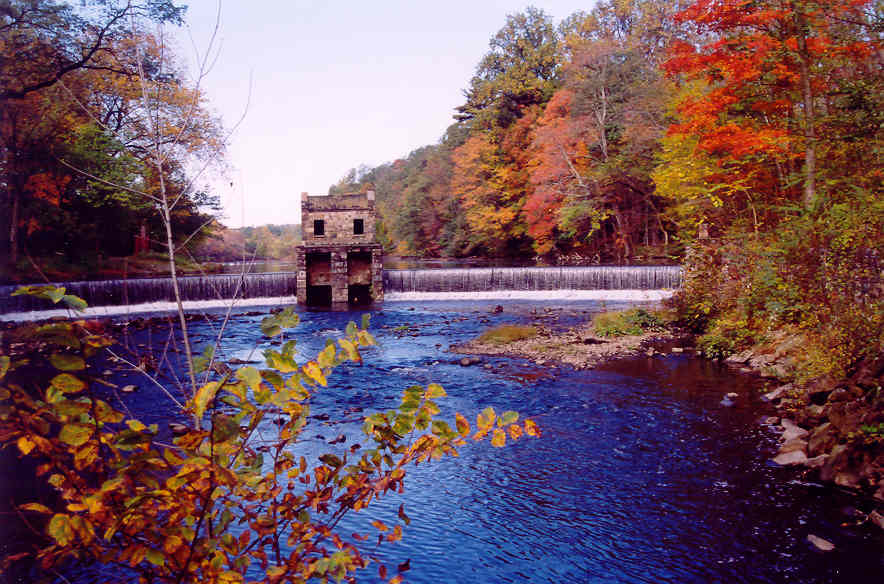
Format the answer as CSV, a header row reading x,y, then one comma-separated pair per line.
x,y
507,333
634,321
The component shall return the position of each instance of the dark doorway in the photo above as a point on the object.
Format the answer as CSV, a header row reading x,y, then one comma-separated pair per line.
x,y
319,295
358,294
358,226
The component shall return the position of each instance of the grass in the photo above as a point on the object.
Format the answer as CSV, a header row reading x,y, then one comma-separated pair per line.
x,y
635,321
507,333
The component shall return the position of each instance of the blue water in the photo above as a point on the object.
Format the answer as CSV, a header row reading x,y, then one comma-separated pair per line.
x,y
641,474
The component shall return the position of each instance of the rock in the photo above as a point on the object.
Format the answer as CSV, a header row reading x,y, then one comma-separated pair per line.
x,y
340,438
777,393
739,358
846,416
836,461
791,458
497,309
466,362
822,439
107,372
877,519
678,349
177,429
488,366
793,445
650,352
769,420
839,395
128,389
820,543
732,395
816,461
792,430
847,479
726,402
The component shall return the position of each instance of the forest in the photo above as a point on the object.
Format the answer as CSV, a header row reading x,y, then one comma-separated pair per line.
x,y
741,139
615,134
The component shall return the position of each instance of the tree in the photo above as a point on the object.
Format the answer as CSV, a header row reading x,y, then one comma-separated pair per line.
x,y
43,42
520,70
772,70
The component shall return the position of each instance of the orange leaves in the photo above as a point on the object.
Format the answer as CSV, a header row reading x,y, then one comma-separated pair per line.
x,y
506,423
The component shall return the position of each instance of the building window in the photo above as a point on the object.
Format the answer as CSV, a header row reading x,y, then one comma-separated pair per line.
x,y
318,228
358,226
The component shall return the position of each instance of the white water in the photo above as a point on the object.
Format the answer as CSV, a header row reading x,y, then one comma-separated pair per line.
x,y
613,295
148,307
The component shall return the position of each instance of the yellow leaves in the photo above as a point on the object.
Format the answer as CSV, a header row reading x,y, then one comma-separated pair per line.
x,y
312,371
36,508
485,419
531,429
25,444
498,440
60,529
204,397
75,434
380,525
463,426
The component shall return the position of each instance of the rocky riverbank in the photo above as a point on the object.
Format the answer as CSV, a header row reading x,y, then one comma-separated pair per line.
x,y
832,427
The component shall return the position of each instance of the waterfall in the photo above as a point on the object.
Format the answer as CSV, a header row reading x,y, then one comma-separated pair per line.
x,y
143,290
279,284
558,278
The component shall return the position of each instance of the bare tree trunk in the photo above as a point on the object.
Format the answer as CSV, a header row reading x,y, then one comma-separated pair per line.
x,y
13,228
809,118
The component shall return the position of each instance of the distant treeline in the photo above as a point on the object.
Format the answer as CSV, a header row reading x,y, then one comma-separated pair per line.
x,y
263,242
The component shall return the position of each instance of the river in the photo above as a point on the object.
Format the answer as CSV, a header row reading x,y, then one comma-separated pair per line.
x,y
641,474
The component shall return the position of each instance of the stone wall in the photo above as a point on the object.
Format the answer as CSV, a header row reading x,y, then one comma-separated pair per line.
x,y
338,213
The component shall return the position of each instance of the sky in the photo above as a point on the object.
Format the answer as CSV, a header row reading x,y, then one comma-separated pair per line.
x,y
334,84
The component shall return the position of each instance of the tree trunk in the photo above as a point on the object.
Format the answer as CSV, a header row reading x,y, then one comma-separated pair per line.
x,y
809,118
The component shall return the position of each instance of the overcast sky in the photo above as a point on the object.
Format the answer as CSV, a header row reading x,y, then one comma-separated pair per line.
x,y
336,84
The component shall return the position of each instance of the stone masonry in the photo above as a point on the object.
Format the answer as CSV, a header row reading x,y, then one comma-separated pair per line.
x,y
339,262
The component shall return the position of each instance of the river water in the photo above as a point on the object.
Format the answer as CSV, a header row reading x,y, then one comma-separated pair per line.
x,y
641,474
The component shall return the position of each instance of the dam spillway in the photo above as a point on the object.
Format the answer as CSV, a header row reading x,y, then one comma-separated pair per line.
x,y
534,278
133,291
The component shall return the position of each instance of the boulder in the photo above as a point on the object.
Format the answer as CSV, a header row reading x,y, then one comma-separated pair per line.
x,y
466,362
791,430
816,461
739,358
839,395
777,393
835,463
820,543
848,480
677,349
793,445
877,519
128,389
791,458
822,439
846,416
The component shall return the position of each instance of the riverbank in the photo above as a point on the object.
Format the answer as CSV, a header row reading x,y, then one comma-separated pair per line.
x,y
832,428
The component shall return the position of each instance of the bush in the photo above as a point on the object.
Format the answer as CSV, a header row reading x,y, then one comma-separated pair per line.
x,y
507,333
635,321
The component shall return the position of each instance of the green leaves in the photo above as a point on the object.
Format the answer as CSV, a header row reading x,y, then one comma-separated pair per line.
x,y
75,434
274,324
67,383
67,362
54,294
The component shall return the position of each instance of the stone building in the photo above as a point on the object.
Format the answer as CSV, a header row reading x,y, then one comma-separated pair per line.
x,y
339,262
